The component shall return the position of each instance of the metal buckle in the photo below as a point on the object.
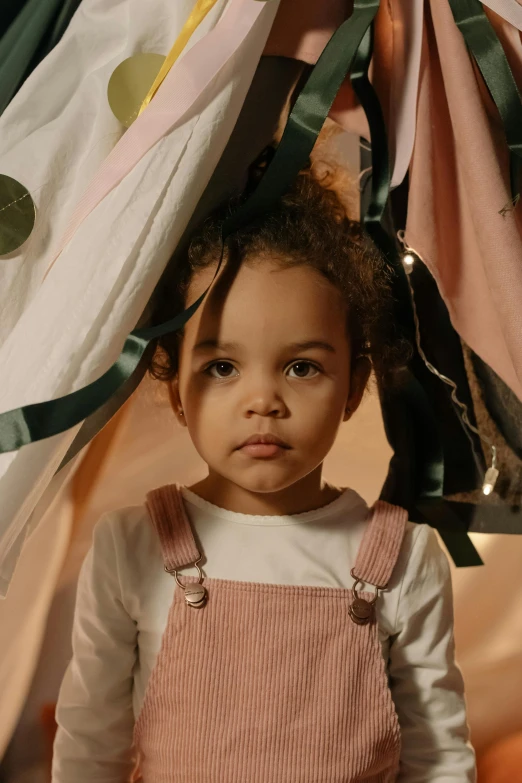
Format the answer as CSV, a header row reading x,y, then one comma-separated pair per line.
x,y
195,594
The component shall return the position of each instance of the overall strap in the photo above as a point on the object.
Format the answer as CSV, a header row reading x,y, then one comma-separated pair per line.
x,y
168,515
381,544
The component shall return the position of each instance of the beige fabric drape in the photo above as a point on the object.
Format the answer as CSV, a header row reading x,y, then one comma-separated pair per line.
x,y
43,594
23,614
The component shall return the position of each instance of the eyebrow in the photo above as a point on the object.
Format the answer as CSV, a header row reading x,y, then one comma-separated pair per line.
x,y
204,345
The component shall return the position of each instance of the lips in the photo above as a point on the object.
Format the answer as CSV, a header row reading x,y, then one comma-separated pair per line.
x,y
266,439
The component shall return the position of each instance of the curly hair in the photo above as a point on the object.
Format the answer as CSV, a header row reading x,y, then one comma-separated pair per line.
x,y
308,226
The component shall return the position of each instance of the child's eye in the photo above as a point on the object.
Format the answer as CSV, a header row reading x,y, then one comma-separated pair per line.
x,y
304,364
223,374
218,364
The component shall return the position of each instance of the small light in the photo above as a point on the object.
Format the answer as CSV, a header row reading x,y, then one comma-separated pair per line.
x,y
408,260
490,479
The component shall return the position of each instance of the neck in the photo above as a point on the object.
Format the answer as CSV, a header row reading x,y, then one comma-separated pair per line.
x,y
308,493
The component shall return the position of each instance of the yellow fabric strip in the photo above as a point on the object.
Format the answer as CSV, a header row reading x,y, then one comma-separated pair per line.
x,y
197,15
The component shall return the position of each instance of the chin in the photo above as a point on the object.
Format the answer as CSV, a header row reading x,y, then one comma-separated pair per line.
x,y
265,481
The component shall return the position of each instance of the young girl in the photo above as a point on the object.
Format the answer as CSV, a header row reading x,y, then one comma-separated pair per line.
x,y
262,624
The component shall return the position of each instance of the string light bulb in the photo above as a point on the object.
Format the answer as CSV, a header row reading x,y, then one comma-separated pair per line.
x,y
490,479
408,259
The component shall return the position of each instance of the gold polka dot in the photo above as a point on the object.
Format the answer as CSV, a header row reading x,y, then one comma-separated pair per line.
x,y
130,83
17,214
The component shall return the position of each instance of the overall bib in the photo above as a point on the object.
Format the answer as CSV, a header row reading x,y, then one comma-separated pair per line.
x,y
269,683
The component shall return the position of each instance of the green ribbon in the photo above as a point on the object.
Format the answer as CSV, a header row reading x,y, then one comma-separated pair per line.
x,y
427,503
369,101
309,113
20,43
482,41
31,423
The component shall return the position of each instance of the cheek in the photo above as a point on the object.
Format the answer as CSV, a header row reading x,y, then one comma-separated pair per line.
x,y
209,432
208,406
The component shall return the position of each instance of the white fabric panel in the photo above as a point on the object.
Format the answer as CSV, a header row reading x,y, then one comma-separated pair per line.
x,y
64,332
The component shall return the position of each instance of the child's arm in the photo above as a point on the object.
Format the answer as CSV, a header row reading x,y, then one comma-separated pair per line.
x,y
94,713
426,684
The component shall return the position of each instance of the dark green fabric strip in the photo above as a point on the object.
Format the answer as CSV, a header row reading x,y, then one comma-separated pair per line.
x,y
429,478
95,423
59,27
20,42
35,422
9,10
430,483
491,59
460,547
515,166
41,420
439,515
380,160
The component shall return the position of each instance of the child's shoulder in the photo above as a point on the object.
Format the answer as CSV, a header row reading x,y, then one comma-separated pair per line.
x,y
423,541
421,556
419,536
123,520
126,531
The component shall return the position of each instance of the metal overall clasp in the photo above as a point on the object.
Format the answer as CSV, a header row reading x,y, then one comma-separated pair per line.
x,y
195,594
361,611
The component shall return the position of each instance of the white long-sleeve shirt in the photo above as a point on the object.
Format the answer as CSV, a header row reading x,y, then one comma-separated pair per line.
x,y
124,596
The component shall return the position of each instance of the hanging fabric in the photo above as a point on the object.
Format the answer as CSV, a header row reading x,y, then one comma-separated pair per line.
x,y
142,220
457,224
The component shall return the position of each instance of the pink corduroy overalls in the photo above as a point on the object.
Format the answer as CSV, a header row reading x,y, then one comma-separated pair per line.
x,y
269,683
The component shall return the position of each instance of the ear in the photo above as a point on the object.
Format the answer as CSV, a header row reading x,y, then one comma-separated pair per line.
x,y
175,401
361,370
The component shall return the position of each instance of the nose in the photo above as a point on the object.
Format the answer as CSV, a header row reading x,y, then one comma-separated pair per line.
x,y
262,408
263,398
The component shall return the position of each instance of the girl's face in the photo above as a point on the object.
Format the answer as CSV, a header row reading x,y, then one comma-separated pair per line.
x,y
270,355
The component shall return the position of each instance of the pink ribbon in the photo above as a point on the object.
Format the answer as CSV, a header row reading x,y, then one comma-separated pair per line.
x,y
407,19
187,79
